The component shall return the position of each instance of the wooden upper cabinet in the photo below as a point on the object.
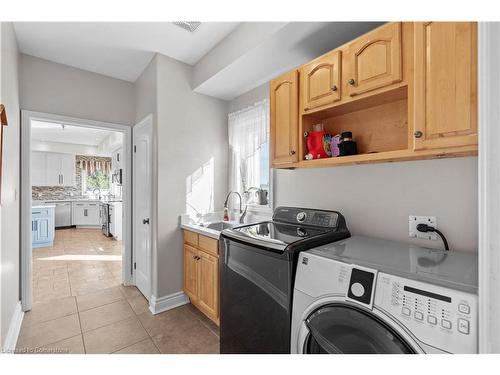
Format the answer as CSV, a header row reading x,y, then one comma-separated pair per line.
x,y
374,60
445,113
284,118
320,81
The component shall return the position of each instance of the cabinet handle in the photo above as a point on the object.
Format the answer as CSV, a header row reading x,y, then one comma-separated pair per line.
x,y
84,212
62,179
351,82
36,225
418,134
292,152
334,88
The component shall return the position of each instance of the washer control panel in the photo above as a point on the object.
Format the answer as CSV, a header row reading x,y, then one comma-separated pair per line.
x,y
295,215
436,316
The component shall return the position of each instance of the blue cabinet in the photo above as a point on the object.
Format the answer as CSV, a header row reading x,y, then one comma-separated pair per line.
x,y
42,226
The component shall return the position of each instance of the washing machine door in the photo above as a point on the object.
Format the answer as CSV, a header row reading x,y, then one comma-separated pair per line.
x,y
342,328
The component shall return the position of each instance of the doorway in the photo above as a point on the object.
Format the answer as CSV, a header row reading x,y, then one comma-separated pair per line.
x,y
83,247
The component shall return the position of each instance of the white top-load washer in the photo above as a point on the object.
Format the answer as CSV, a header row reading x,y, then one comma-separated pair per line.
x,y
366,295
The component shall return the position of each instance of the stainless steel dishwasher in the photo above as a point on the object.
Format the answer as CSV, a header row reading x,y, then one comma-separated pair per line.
x,y
62,214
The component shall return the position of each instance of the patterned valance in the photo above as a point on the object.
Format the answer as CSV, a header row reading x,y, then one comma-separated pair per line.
x,y
91,164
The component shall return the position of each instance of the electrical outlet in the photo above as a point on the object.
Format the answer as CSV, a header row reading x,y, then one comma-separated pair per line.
x,y
429,220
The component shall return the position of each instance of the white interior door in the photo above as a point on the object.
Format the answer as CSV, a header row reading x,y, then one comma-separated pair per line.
x,y
142,198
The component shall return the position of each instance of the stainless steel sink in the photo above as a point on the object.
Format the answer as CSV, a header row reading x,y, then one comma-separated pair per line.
x,y
219,225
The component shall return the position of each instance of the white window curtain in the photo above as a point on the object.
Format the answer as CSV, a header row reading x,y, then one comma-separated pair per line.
x,y
248,138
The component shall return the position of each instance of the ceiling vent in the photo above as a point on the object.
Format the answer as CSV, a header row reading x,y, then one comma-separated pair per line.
x,y
189,26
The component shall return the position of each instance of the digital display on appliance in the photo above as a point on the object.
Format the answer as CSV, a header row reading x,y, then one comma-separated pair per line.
x,y
427,294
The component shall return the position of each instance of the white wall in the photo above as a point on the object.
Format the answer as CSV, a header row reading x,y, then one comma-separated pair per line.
x,y
191,129
376,199
49,87
67,148
9,96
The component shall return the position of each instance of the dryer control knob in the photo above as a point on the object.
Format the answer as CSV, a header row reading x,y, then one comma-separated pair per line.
x,y
357,289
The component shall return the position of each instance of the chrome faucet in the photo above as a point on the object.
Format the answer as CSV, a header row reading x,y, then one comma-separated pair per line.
x,y
99,192
242,214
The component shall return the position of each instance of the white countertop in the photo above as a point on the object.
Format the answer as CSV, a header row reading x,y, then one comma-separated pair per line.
x,y
44,206
189,223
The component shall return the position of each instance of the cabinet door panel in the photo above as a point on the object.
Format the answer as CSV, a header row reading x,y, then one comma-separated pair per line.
x,y
191,272
374,61
284,118
445,84
67,169
37,168
320,81
53,169
43,229
208,284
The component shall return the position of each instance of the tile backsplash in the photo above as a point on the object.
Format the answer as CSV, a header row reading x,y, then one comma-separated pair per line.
x,y
41,193
46,193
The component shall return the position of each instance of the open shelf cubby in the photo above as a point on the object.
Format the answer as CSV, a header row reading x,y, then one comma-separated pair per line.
x,y
378,124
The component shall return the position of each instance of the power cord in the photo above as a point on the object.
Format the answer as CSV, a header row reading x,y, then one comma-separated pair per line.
x,y
424,228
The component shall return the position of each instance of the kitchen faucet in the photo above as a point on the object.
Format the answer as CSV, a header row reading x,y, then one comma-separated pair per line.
x,y
99,192
226,208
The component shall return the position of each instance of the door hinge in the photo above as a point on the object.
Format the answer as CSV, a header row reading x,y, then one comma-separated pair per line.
x,y
135,148
135,265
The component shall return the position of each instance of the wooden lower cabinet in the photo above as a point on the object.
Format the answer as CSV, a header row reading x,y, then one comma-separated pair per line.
x,y
201,274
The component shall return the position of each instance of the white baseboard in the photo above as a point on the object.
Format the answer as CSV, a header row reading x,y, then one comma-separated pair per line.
x,y
158,305
14,328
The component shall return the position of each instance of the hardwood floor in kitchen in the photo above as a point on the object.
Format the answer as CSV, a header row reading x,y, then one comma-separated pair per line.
x,y
81,306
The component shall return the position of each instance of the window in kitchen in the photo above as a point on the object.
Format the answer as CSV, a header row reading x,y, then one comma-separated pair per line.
x,y
95,174
249,171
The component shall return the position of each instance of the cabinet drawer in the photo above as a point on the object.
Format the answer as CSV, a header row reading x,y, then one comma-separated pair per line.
x,y
191,238
209,245
40,212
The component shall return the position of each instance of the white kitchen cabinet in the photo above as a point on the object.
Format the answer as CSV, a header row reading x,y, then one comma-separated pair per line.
x,y
37,168
52,169
67,169
86,214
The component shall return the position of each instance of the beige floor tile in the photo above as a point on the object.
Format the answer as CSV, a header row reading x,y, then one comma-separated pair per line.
x,y
130,291
42,312
143,347
115,336
179,317
104,315
139,304
197,339
104,297
40,334
73,345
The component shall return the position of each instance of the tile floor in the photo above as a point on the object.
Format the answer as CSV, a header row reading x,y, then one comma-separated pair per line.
x,y
80,306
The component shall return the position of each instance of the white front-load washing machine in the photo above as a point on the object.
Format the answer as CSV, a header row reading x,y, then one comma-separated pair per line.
x,y
366,295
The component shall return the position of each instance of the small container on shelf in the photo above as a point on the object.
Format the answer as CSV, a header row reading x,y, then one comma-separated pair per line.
x,y
318,143
347,146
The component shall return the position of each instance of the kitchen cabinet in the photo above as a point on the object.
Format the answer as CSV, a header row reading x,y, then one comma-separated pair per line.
x,y
320,81
407,91
52,169
284,118
86,214
42,226
445,85
37,167
374,60
201,273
